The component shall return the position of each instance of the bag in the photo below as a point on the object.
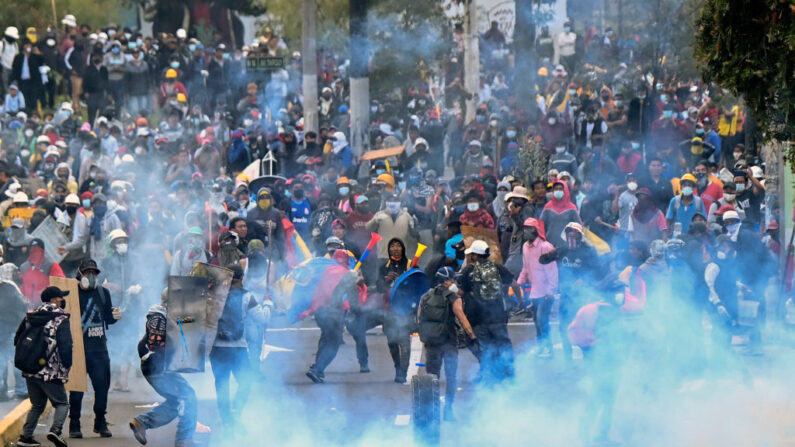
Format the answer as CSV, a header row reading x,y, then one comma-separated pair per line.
x,y
487,281
30,355
230,325
434,317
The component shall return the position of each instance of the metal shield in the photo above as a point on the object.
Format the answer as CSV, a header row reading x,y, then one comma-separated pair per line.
x,y
219,282
186,339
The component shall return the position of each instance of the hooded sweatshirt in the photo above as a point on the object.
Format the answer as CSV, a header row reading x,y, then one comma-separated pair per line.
x,y
542,277
152,346
557,214
59,341
398,266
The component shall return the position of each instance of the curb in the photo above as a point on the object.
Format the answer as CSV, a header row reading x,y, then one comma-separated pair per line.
x,y
11,424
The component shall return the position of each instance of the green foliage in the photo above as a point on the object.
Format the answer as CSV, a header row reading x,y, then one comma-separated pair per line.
x,y
748,47
38,13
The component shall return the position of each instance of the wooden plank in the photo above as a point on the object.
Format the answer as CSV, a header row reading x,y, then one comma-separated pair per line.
x,y
471,234
77,375
383,153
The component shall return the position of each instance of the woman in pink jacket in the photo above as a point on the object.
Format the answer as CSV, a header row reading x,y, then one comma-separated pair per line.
x,y
543,279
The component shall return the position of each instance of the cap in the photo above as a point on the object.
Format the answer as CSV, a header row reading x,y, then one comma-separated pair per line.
x,y
361,198
99,198
51,293
420,141
88,265
757,172
478,247
445,273
17,222
21,197
474,143
36,242
12,32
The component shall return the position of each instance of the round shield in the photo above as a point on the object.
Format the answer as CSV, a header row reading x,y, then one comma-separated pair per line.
x,y
404,297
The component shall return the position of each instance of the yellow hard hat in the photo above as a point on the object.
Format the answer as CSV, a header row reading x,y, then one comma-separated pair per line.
x,y
181,97
388,179
30,33
171,74
688,177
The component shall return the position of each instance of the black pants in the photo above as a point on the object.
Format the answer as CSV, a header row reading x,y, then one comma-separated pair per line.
x,y
96,105
226,362
357,323
447,354
397,329
496,351
98,368
330,322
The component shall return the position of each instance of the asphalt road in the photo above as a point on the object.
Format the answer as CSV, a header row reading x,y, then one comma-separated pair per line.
x,y
541,407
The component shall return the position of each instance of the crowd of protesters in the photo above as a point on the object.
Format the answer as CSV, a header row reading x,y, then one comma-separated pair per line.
x,y
136,147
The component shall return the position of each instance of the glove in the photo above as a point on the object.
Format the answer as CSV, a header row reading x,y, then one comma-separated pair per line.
x,y
315,232
205,73
723,312
134,289
116,312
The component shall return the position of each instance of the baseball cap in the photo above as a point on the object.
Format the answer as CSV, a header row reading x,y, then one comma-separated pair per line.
x,y
478,247
17,222
445,273
36,242
88,265
51,293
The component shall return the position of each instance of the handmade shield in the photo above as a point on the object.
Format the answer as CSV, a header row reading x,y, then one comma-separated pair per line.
x,y
404,297
471,234
186,340
220,280
77,375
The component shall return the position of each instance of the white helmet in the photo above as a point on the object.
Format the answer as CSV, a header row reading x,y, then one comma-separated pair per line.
x,y
117,234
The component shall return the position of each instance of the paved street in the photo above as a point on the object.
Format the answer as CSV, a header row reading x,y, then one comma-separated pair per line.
x,y
542,406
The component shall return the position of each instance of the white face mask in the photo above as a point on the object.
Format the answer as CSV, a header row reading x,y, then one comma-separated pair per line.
x,y
737,155
453,288
740,187
393,207
729,197
473,206
121,249
552,121
632,186
560,149
28,133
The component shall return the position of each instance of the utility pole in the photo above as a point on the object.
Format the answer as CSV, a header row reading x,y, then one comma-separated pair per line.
x,y
360,82
524,37
471,59
309,64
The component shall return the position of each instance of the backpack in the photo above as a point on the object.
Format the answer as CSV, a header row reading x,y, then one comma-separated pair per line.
x,y
230,325
30,355
434,317
487,281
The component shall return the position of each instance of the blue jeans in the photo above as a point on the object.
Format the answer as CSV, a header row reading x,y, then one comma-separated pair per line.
x,y
543,308
40,392
180,403
226,362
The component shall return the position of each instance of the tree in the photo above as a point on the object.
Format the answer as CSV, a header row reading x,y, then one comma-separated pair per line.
x,y
38,13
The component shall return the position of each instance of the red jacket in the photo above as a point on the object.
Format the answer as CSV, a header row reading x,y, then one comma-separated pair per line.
x,y
35,280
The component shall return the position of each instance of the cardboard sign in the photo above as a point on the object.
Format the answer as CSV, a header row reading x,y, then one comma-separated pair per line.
x,y
77,375
383,153
489,236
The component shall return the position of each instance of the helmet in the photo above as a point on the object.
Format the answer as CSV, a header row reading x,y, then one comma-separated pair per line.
x,y
388,179
445,273
21,197
171,74
116,234
334,240
688,177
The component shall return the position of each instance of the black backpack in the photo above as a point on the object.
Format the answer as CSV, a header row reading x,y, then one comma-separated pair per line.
x,y
230,325
30,355
435,317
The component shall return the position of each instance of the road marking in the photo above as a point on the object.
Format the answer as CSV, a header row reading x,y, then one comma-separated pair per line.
x,y
414,358
267,349
402,419
148,406
292,329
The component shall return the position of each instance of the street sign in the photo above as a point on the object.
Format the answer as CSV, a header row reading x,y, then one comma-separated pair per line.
x,y
255,63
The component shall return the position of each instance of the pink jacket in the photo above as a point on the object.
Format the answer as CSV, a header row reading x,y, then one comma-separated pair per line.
x,y
543,278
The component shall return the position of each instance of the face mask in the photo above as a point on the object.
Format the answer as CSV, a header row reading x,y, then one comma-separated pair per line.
x,y
191,47
379,171
175,65
632,186
493,123
552,121
572,92
127,36
558,195
264,203
737,155
92,174
480,118
373,109
393,207
298,194
121,249
174,103
86,203
740,187
642,97
225,56
195,121
28,133
48,166
116,50
664,98
733,227
619,103
635,145
473,206
722,255
97,61
50,42
140,56
667,113
729,197
510,134
530,234
560,149
88,282
687,191
453,288
567,29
